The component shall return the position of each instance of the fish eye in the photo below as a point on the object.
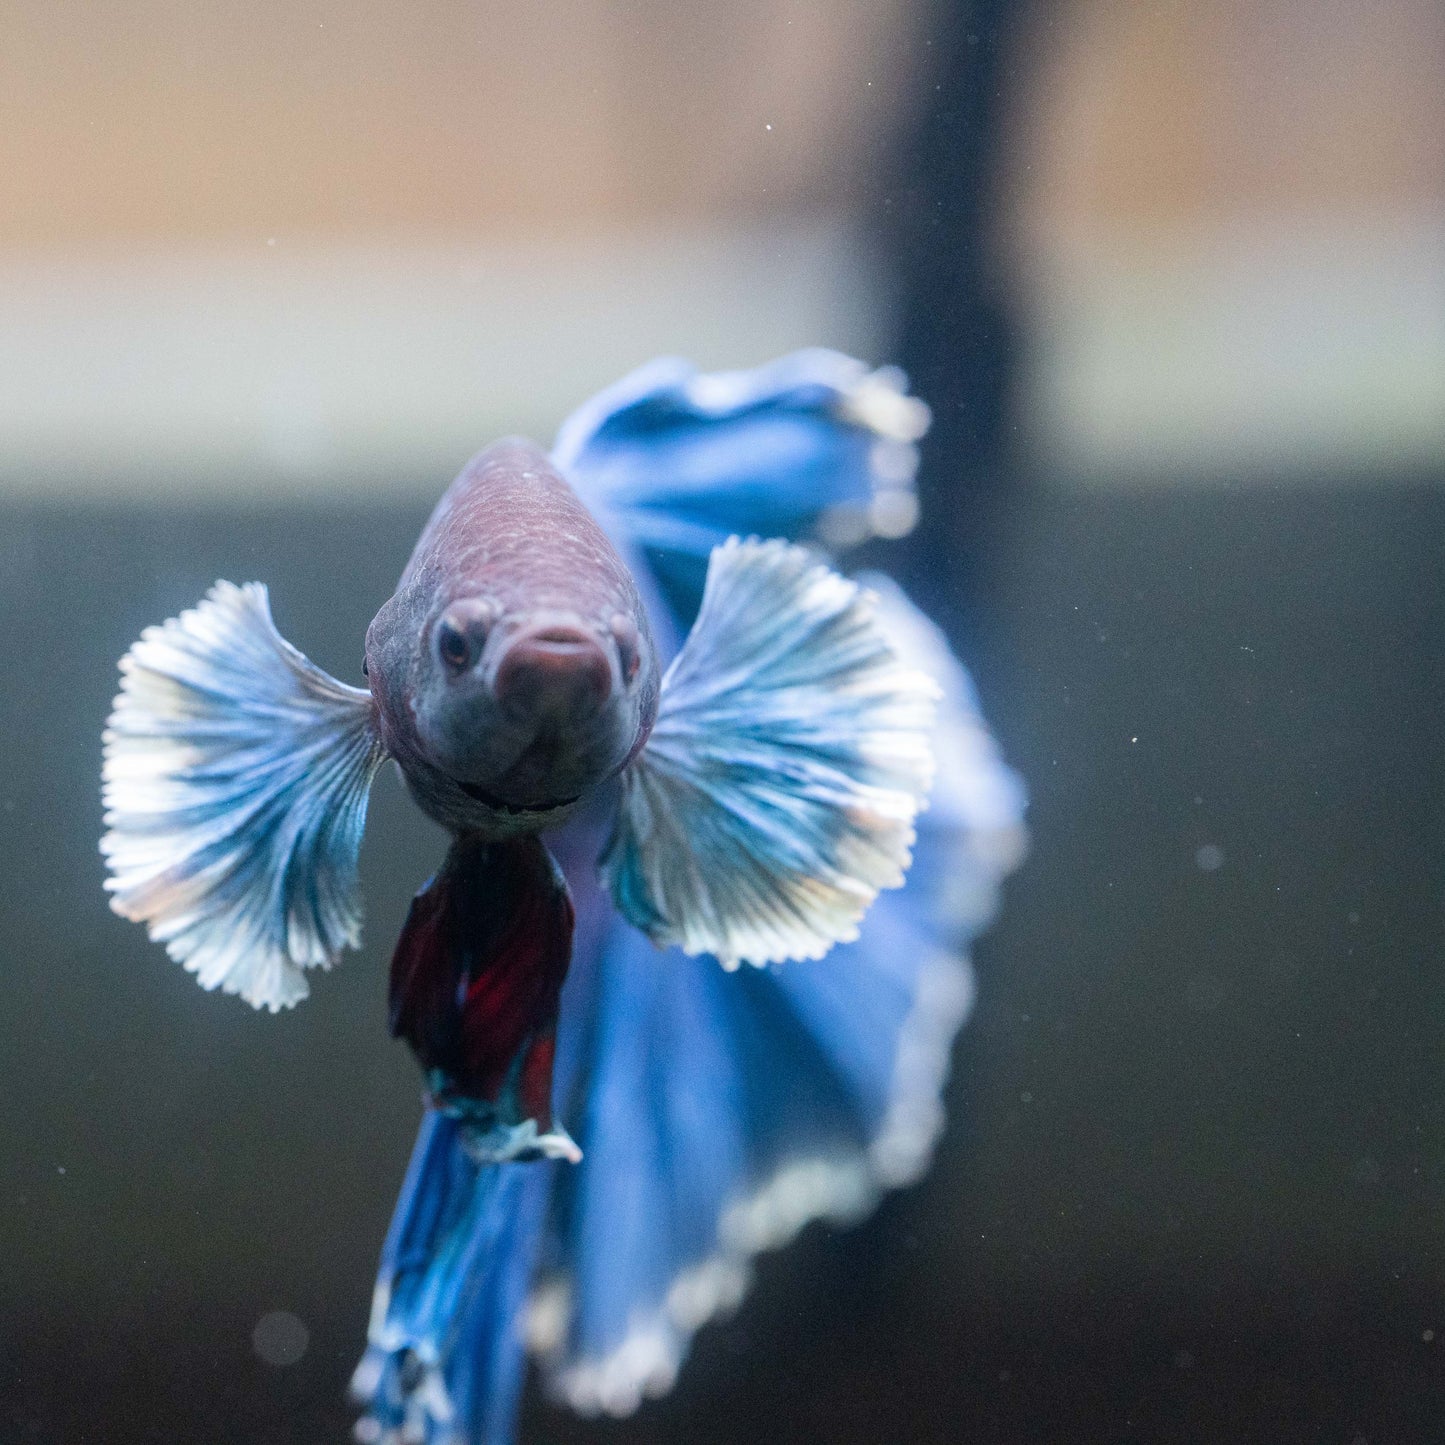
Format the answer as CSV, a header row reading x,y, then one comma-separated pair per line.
x,y
453,646
461,631
624,633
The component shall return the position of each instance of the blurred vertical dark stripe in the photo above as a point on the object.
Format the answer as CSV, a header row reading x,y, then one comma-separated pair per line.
x,y
959,336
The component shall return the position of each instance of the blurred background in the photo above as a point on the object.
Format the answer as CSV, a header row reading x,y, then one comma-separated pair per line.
x,y
1170,276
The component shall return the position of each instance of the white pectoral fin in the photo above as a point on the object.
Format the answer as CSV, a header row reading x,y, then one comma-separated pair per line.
x,y
777,793
235,785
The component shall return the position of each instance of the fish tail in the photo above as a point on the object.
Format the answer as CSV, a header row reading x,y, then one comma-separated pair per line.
x,y
445,1358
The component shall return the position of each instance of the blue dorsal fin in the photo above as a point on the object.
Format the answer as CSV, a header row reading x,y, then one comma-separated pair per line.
x,y
815,445
235,783
777,793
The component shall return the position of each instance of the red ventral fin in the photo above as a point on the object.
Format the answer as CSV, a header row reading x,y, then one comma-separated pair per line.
x,y
475,984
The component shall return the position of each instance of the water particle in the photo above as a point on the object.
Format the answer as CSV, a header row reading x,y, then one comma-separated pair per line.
x,y
1366,1171
1184,1359
1209,857
1427,1335
1027,1097
280,1338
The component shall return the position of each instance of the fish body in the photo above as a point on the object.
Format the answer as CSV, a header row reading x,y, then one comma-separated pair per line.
x,y
727,745
513,668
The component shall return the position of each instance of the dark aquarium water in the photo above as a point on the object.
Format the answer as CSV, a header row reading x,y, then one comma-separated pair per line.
x,y
1190,1186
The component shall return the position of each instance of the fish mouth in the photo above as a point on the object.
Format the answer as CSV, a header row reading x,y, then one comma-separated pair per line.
x,y
501,805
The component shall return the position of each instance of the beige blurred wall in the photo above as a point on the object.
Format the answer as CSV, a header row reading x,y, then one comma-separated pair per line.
x,y
301,244
341,244
1161,120
1227,224
157,122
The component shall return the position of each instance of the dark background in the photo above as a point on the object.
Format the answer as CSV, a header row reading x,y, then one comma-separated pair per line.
x,y
1193,1189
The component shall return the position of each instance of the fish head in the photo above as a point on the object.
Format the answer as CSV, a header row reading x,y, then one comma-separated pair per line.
x,y
529,672
532,708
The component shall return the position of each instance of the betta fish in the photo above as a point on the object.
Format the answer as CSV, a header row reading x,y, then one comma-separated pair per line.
x,y
665,734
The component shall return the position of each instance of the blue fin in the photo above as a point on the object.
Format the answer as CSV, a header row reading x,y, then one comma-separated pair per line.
x,y
971,834
722,1112
776,795
813,445
236,777
445,1357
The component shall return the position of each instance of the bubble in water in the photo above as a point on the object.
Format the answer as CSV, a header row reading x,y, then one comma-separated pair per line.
x,y
280,1338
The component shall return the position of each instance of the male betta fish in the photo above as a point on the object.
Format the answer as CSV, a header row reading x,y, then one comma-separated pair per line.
x,y
727,745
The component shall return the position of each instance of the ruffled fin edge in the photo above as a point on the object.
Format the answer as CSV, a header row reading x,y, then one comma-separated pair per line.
x,y
873,496
776,796
840,1189
235,782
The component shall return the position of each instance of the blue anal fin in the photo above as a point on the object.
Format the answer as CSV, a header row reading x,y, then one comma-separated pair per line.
x,y
445,1358
475,985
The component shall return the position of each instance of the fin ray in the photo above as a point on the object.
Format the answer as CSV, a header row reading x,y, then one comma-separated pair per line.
x,y
776,795
235,781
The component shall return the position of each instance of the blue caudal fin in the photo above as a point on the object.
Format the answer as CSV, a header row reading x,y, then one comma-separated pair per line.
x,y
813,445
445,1359
721,1112
777,793
236,777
